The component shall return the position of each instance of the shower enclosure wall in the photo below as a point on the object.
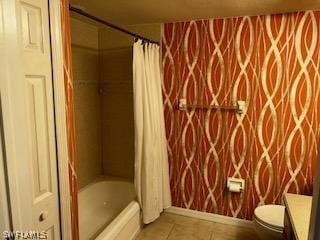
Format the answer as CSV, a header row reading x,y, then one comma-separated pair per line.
x,y
102,69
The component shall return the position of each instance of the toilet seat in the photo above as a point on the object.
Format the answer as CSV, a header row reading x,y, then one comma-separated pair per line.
x,y
268,226
270,216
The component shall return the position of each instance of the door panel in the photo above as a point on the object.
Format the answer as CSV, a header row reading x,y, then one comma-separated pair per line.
x,y
40,143
30,112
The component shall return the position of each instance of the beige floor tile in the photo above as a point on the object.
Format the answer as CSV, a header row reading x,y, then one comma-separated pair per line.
x,y
159,230
180,232
176,227
187,222
229,232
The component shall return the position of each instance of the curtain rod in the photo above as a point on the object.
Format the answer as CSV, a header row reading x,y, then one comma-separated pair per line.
x,y
111,25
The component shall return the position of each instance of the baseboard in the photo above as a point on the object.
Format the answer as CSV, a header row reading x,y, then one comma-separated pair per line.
x,y
210,217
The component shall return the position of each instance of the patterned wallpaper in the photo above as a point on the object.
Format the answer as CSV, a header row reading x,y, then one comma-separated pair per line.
x,y
273,64
68,78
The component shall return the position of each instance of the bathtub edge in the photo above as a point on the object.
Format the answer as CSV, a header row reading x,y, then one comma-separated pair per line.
x,y
119,224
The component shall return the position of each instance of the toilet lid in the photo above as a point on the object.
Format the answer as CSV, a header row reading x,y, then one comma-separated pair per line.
x,y
272,215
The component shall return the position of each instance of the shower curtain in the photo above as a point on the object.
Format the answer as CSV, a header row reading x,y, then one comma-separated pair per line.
x,y
151,159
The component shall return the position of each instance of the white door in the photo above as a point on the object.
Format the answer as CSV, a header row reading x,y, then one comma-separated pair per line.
x,y
28,115
4,201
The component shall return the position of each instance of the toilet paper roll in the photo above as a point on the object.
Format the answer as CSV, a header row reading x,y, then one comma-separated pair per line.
x,y
235,187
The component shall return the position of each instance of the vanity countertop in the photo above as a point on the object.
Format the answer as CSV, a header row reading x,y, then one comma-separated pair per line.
x,y
299,210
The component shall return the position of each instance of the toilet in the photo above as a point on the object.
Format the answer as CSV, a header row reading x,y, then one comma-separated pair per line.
x,y
269,222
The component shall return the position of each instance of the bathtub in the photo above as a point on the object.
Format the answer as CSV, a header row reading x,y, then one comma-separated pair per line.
x,y
108,211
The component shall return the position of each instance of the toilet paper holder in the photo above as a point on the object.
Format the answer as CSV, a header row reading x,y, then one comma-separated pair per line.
x,y
237,181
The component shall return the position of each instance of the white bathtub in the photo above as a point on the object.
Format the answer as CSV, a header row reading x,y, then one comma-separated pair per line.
x,y
108,207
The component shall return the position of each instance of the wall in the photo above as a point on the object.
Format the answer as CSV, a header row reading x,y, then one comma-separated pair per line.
x,y
117,112
102,68
117,98
84,34
270,62
111,39
70,115
85,57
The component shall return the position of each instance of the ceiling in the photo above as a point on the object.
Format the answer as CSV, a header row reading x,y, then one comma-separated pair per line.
x,y
128,12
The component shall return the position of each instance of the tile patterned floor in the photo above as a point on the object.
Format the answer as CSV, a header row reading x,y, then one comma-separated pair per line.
x,y
176,227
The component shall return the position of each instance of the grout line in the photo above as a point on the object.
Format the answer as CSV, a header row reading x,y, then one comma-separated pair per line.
x,y
211,236
170,231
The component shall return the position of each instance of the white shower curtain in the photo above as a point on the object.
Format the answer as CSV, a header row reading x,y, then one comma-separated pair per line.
x,y
151,159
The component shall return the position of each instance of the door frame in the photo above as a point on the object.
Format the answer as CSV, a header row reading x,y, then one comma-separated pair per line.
x,y
5,219
314,231
60,118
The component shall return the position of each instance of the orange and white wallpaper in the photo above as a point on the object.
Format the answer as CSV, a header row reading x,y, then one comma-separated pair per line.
x,y
67,70
273,64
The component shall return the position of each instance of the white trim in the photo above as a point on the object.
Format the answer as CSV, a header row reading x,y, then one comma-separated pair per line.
x,y
60,118
4,200
314,231
210,217
4,207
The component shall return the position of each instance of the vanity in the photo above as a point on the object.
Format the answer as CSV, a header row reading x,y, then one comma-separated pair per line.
x,y
297,216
